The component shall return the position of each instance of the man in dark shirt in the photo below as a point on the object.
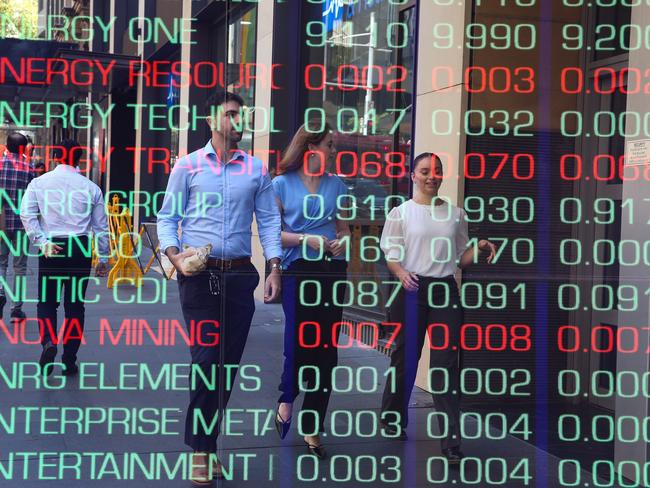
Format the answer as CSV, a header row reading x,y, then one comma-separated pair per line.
x,y
15,175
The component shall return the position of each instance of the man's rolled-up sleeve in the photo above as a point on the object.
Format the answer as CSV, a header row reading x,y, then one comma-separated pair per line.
x,y
267,214
170,213
99,223
29,213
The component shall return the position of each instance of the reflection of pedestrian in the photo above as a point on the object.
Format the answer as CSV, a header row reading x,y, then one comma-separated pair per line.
x,y
221,188
426,270
29,152
313,251
61,210
15,175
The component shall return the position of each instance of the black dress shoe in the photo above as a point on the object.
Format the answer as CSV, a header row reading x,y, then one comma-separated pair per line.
x,y
392,432
70,369
17,313
318,451
281,425
453,455
47,357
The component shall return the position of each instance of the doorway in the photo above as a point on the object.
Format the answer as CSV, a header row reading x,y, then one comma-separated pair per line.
x,y
596,238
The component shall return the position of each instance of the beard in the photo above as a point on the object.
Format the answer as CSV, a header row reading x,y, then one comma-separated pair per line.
x,y
234,136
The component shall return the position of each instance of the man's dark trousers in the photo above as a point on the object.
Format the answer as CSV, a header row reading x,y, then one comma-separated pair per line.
x,y
73,261
228,313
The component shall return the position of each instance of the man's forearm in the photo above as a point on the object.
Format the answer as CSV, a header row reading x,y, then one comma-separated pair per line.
x,y
171,251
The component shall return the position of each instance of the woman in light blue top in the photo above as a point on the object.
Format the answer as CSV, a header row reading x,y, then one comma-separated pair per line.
x,y
315,241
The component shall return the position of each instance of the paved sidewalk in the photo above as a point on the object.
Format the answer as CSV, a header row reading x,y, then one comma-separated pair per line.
x,y
359,459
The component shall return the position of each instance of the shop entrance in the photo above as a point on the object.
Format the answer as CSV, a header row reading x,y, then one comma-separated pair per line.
x,y
597,236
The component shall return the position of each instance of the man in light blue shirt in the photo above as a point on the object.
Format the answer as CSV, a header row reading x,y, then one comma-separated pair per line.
x,y
211,197
214,203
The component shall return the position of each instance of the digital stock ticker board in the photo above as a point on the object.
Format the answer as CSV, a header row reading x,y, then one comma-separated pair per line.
x,y
335,243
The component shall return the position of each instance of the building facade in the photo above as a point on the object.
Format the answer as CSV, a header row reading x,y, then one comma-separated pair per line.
x,y
536,109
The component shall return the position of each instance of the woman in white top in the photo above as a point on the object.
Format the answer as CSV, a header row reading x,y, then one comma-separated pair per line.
x,y
424,240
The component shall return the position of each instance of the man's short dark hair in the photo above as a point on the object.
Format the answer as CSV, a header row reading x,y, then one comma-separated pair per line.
x,y
16,143
220,97
62,152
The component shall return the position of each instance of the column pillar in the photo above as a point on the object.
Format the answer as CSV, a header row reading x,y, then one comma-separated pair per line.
x,y
429,98
637,150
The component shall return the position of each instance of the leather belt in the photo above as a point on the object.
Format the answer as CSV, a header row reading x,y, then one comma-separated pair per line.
x,y
227,264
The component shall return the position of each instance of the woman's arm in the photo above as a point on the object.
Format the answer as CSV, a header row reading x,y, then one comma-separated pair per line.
x,y
392,242
471,254
342,228
291,239
408,280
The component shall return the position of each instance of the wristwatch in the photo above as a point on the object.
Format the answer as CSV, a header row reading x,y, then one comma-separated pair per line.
x,y
277,266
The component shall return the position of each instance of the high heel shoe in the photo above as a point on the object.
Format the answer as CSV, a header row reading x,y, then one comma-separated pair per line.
x,y
318,451
281,425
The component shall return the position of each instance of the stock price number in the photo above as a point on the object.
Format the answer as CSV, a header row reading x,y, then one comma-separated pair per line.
x,y
474,425
604,428
474,337
605,252
475,295
604,210
473,471
500,210
605,3
495,36
497,122
345,379
349,77
604,473
479,79
607,37
605,81
605,123
359,423
473,381
602,167
311,335
604,384
602,339
369,164
341,468
603,297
